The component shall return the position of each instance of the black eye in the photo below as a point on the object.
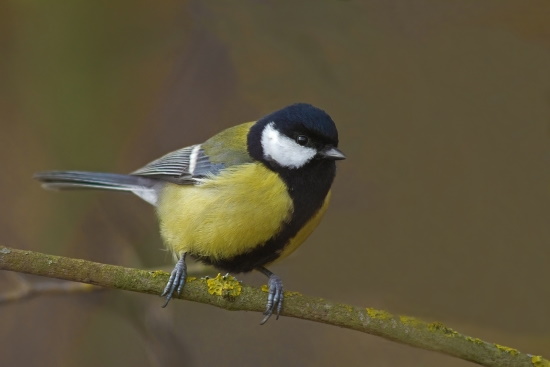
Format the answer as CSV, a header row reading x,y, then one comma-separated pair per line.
x,y
302,140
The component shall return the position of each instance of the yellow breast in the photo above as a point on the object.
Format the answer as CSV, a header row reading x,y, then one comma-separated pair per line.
x,y
225,215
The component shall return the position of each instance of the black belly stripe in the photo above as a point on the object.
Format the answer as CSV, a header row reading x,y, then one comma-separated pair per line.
x,y
308,190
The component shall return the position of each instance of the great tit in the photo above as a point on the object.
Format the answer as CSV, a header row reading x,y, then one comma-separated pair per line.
x,y
244,198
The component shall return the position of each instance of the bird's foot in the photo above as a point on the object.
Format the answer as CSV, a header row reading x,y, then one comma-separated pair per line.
x,y
176,282
274,298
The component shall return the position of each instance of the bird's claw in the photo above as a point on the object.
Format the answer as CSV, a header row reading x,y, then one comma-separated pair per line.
x,y
274,298
176,282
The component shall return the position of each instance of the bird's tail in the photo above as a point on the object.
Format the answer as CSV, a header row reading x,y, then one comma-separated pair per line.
x,y
144,187
61,180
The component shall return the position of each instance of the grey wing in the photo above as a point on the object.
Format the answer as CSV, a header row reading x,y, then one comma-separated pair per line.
x,y
183,166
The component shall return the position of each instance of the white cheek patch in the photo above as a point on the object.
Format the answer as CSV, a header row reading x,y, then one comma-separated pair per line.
x,y
283,150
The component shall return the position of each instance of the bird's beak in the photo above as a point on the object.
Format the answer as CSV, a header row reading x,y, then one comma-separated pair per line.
x,y
332,153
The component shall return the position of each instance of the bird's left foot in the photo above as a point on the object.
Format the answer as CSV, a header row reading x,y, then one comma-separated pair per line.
x,y
177,280
275,296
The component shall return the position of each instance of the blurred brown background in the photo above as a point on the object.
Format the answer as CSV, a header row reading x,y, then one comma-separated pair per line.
x,y
440,211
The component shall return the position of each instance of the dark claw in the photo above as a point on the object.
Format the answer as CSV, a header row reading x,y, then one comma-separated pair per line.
x,y
176,282
274,298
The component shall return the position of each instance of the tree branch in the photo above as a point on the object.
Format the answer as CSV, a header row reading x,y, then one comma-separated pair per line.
x,y
25,289
228,293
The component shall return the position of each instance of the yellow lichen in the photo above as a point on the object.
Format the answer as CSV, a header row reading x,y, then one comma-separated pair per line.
x,y
156,273
509,350
474,340
410,321
538,361
439,326
225,286
378,314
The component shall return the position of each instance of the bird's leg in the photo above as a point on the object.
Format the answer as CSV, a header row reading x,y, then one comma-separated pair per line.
x,y
275,296
177,279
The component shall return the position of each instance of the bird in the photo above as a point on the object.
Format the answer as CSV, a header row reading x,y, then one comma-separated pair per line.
x,y
246,197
